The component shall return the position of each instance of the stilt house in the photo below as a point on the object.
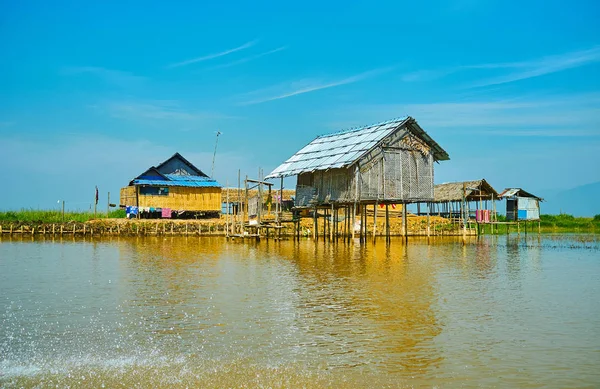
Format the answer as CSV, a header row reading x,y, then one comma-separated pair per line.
x,y
521,205
449,198
389,162
176,185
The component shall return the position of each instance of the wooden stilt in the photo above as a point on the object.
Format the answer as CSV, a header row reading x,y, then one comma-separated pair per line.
x,y
374,220
428,221
387,223
404,221
315,225
331,223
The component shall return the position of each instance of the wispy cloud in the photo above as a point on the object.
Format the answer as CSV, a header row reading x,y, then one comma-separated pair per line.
x,y
518,70
156,110
294,88
212,56
116,77
546,116
540,67
250,58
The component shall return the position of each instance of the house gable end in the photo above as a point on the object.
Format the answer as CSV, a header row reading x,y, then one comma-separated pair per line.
x,y
178,165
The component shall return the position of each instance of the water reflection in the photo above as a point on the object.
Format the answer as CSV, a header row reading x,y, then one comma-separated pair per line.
x,y
177,311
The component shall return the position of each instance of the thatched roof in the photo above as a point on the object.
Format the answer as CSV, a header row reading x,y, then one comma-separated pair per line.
x,y
475,191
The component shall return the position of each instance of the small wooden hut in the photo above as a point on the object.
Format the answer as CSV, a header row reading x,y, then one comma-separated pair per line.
x,y
521,205
175,185
475,195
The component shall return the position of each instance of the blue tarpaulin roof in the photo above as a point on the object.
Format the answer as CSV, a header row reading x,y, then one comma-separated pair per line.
x,y
180,180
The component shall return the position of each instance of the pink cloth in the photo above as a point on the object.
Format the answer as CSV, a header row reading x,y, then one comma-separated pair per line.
x,y
166,213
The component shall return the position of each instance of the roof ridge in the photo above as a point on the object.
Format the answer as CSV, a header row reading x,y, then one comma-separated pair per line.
x,y
360,128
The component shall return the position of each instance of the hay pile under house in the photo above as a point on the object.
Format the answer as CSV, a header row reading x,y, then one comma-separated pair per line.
x,y
174,188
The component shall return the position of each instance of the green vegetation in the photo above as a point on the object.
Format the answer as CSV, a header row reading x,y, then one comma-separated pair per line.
x,y
54,216
564,221
553,223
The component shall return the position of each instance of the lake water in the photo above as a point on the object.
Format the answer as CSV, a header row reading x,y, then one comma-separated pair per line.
x,y
205,312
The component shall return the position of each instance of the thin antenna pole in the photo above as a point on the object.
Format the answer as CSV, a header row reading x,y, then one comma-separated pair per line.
x,y
212,170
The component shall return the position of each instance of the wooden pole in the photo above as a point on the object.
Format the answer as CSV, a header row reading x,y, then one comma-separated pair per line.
x,y
239,201
226,209
404,221
108,205
63,211
387,223
374,220
246,216
465,215
428,220
315,224
363,223
331,223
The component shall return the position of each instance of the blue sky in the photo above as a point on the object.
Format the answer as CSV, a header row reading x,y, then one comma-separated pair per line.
x,y
93,93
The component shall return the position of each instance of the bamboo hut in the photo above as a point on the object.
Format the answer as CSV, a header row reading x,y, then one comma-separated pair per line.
x,y
450,200
521,205
386,163
174,188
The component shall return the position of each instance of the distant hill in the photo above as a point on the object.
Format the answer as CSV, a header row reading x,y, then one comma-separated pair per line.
x,y
583,200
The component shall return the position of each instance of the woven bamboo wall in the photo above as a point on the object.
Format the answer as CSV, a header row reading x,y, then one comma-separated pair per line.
x,y
128,196
402,173
179,199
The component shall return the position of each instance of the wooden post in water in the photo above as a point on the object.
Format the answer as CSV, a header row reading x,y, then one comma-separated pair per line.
x,y
404,221
428,221
387,223
464,212
226,210
331,223
374,220
315,224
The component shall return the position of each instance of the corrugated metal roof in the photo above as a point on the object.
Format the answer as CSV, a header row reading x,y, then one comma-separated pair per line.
x,y
510,192
343,148
180,180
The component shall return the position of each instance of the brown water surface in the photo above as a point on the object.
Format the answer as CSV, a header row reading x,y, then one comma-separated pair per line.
x,y
205,312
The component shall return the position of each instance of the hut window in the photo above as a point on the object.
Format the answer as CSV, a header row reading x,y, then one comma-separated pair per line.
x,y
154,191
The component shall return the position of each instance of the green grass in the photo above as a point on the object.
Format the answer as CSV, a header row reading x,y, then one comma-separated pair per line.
x,y
555,223
51,216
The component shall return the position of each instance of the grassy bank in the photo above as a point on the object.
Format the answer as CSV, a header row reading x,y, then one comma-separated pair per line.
x,y
549,223
51,216
555,223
